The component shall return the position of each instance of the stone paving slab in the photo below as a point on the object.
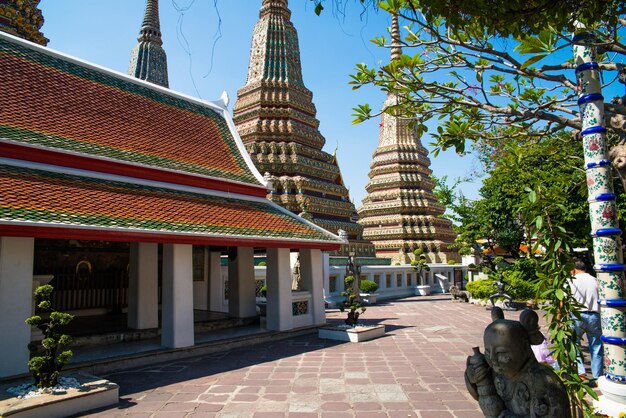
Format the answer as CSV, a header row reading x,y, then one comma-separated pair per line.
x,y
416,370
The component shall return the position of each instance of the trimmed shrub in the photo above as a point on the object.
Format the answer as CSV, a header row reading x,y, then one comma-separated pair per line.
x,y
481,289
262,264
451,262
351,303
48,356
521,290
368,286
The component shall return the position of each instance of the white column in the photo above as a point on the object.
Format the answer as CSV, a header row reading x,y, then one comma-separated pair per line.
x,y
216,284
326,274
143,286
278,279
177,305
16,301
311,271
201,287
241,286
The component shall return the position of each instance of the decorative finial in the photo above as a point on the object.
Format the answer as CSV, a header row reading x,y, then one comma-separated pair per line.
x,y
275,7
269,181
225,99
148,60
396,45
151,26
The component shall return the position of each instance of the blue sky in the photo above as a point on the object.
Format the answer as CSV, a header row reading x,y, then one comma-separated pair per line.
x,y
104,32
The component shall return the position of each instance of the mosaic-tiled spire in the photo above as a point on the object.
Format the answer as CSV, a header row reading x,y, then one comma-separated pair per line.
x,y
400,212
23,19
276,119
148,60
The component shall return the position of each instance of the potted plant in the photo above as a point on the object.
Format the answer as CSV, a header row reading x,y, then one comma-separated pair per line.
x,y
49,355
51,395
368,291
419,265
352,331
351,302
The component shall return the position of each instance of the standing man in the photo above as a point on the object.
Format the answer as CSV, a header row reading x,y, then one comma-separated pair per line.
x,y
585,291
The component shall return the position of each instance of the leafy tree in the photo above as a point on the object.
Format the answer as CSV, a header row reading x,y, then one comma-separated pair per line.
x,y
492,72
483,87
494,219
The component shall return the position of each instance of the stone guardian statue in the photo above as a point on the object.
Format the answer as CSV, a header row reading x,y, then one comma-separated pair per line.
x,y
507,381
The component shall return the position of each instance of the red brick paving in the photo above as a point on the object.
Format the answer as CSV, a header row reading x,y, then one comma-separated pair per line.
x,y
416,370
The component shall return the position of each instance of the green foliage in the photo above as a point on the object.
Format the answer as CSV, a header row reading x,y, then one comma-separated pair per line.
x,y
263,291
368,286
49,356
481,289
540,211
521,288
262,264
483,80
521,17
352,302
513,165
451,262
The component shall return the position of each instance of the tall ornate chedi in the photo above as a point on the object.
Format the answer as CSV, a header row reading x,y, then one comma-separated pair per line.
x,y
148,60
400,212
275,117
22,18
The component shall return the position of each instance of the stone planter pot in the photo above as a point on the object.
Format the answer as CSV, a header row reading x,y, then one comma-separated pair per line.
x,y
369,298
423,290
94,393
355,335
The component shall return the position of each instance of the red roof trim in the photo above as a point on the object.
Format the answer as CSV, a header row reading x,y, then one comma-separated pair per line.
x,y
45,156
125,236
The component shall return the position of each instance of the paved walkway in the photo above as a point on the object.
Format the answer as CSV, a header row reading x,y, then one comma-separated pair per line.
x,y
416,370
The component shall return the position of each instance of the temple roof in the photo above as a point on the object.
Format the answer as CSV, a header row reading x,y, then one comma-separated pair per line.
x,y
87,153
55,204
56,103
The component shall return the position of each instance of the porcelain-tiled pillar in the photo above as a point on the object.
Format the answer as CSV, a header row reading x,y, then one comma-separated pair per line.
x,y
604,227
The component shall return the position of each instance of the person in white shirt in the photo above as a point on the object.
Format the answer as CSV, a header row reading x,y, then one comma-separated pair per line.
x,y
585,291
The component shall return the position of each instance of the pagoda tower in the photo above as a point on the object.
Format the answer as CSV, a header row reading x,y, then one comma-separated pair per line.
x,y
276,119
148,60
400,212
23,19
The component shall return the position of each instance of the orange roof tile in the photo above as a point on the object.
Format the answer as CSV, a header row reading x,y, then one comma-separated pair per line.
x,y
43,199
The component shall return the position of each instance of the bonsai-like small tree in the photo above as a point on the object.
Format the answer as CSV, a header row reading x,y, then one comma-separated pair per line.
x,y
351,302
48,356
368,286
419,264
